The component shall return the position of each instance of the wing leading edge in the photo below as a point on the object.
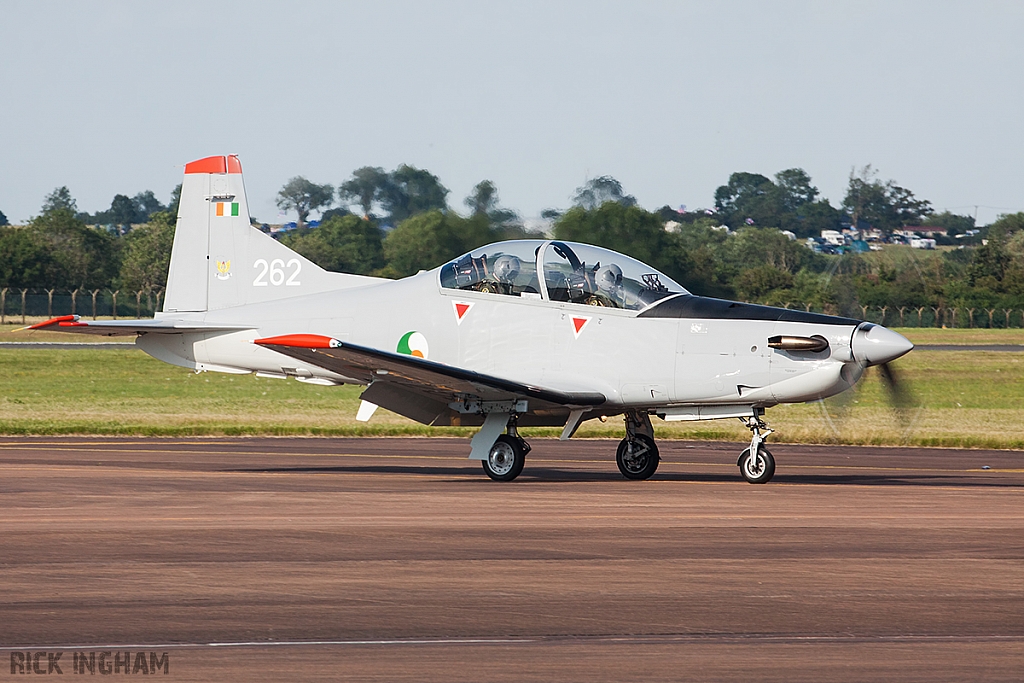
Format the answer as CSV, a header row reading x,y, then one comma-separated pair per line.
x,y
426,390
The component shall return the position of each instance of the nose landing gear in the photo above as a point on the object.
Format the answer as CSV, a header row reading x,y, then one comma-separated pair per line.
x,y
756,463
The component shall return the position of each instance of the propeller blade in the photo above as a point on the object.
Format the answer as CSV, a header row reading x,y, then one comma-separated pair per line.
x,y
901,398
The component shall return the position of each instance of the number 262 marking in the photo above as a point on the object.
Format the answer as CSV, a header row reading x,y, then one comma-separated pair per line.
x,y
275,269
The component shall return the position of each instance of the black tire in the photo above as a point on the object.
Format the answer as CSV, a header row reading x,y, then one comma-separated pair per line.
x,y
758,470
506,459
642,461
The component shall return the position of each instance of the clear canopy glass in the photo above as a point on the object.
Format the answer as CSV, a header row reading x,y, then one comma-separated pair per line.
x,y
559,271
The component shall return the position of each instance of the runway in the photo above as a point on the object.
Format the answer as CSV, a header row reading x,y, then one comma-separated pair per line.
x,y
396,559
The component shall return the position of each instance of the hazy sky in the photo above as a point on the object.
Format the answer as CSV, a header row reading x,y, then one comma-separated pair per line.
x,y
668,97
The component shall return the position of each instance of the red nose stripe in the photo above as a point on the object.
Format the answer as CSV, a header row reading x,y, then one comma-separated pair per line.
x,y
302,341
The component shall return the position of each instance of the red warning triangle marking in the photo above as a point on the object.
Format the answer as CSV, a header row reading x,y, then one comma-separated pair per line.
x,y
461,308
578,324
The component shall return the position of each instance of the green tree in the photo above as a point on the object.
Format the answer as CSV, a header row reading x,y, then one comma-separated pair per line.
x,y
483,201
955,224
748,195
367,185
146,204
412,191
430,239
146,254
1006,225
790,202
627,229
882,205
759,282
303,197
597,191
753,246
86,257
123,213
172,206
344,244
59,199
794,189
25,260
3,220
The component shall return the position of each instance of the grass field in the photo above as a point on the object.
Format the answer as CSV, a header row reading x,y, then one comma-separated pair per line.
x,y
967,399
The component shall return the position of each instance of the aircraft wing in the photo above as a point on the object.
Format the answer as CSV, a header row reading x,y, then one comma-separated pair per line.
x,y
111,328
437,382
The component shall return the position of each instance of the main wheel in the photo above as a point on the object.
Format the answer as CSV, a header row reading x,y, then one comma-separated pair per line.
x,y
506,459
638,460
759,470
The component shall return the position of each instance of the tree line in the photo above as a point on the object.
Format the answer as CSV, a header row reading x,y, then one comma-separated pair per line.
x,y
403,223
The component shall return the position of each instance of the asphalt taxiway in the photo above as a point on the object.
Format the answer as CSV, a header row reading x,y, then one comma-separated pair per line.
x,y
396,559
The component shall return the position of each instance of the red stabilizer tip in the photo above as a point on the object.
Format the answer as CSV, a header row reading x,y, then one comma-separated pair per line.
x,y
209,165
302,341
53,321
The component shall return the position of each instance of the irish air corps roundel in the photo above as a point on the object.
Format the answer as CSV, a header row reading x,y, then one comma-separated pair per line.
x,y
413,344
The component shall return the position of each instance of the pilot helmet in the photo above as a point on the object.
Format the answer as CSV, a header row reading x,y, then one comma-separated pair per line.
x,y
506,268
608,278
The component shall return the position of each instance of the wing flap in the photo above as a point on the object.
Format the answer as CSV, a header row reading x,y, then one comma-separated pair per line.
x,y
444,383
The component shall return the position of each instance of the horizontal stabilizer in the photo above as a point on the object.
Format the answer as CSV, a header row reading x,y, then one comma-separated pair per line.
x,y
113,328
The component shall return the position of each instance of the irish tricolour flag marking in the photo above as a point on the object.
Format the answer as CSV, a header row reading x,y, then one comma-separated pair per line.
x,y
227,208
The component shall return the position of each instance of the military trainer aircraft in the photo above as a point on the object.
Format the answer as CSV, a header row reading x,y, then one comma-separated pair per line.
x,y
518,333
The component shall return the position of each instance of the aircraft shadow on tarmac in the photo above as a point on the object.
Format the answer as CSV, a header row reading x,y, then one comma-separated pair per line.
x,y
540,475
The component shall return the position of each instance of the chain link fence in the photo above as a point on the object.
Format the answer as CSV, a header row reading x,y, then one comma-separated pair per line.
x,y
18,304
926,316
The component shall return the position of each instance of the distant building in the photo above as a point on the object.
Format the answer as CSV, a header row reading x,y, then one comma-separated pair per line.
x,y
833,237
922,243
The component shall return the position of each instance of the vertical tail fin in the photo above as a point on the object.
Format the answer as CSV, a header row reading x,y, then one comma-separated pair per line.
x,y
219,260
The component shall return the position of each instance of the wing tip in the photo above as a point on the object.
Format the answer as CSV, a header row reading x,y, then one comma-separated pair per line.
x,y
59,321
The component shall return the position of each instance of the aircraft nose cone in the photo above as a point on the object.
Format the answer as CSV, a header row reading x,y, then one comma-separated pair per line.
x,y
874,344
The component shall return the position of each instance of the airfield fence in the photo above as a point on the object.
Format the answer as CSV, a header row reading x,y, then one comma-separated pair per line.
x,y
19,304
926,316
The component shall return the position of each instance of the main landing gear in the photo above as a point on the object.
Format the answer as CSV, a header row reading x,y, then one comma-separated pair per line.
x,y
507,456
756,464
637,454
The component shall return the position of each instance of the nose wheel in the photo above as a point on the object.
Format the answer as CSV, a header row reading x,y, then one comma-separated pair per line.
x,y
756,464
758,469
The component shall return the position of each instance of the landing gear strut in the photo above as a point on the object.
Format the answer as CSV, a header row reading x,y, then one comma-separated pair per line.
x,y
637,454
756,464
507,456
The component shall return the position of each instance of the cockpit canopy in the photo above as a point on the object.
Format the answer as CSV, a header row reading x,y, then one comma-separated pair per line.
x,y
559,271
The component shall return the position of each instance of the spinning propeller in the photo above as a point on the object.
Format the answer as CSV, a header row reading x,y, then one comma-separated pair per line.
x,y
900,397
